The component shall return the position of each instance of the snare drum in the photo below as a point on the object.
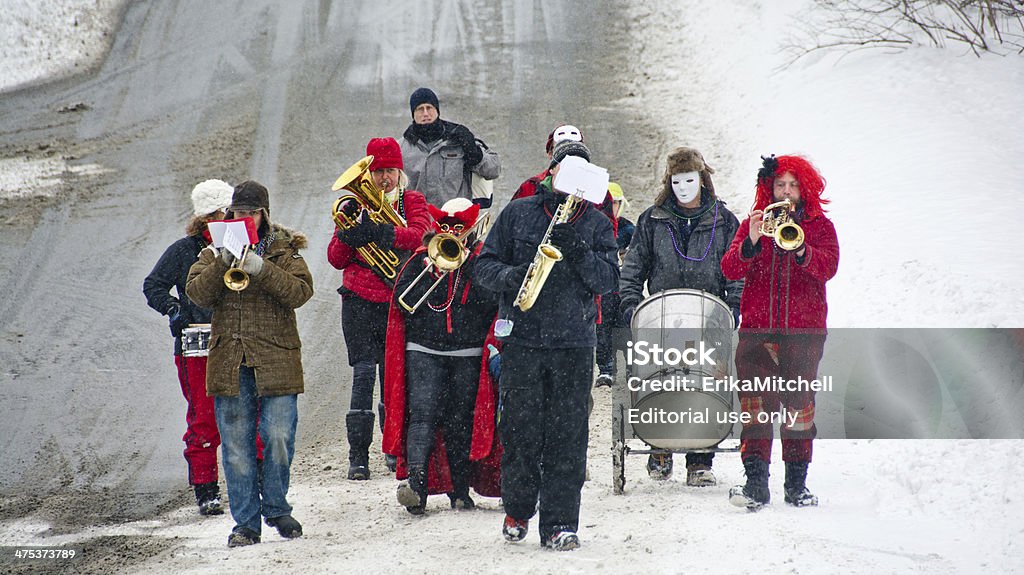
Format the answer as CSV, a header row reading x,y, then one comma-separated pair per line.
x,y
195,340
681,319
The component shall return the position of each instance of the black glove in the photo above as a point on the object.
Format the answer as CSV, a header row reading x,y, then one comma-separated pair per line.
x,y
177,320
357,236
566,238
467,141
515,276
382,234
627,314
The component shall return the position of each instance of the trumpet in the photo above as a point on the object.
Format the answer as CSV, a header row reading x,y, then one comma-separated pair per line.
x,y
235,278
547,256
446,254
777,223
357,181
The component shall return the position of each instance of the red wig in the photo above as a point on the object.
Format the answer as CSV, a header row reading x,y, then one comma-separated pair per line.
x,y
812,184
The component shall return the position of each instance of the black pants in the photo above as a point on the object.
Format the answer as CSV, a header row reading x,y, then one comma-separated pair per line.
x,y
543,427
441,390
364,324
611,335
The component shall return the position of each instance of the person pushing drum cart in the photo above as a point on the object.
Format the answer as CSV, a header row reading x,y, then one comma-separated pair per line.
x,y
190,326
678,243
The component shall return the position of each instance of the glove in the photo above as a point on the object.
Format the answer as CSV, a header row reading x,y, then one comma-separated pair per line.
x,y
494,362
356,237
627,315
177,320
381,234
566,238
227,257
515,276
467,141
252,265
736,316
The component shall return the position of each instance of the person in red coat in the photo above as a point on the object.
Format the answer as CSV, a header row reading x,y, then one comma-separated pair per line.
x,y
784,310
365,293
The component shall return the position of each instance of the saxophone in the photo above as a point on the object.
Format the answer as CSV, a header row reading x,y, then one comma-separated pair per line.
x,y
547,256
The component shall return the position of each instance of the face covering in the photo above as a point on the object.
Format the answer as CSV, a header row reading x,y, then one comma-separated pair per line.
x,y
686,186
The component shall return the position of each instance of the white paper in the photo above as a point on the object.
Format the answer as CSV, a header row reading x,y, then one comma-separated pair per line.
x,y
230,235
579,177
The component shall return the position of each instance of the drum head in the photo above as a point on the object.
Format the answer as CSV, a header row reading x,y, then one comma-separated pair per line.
x,y
681,420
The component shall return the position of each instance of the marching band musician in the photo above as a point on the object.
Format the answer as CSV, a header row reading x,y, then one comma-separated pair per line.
x,y
784,312
209,200
548,354
434,379
365,294
679,243
255,363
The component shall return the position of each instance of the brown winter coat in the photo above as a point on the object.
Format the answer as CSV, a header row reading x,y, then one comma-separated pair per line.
x,y
257,323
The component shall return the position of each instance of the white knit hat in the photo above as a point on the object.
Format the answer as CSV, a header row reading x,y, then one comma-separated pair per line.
x,y
210,196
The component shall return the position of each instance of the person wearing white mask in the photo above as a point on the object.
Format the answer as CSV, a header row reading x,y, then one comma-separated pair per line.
x,y
679,243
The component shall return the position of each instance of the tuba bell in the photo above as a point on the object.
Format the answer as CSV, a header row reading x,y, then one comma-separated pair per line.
x,y
777,223
356,180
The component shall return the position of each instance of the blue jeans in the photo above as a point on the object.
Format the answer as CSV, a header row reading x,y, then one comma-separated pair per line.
x,y
237,420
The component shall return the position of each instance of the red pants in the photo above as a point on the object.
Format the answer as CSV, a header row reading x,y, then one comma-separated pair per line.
x,y
201,437
789,357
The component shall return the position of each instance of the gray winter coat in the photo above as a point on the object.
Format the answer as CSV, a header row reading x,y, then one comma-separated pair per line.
x,y
652,257
437,169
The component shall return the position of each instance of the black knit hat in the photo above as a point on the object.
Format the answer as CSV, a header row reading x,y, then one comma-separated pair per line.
x,y
250,196
423,96
568,148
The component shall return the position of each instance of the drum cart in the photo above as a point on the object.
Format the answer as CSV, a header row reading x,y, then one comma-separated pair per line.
x,y
679,319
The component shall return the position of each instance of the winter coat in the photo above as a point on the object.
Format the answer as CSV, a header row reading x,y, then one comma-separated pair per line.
x,y
565,312
437,169
358,277
652,256
463,324
257,324
779,292
171,270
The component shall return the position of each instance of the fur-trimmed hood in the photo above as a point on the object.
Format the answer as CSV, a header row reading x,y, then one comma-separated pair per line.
x,y
682,160
295,239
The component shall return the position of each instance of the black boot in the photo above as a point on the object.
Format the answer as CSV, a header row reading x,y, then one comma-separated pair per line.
x,y
797,493
413,493
359,425
208,499
755,494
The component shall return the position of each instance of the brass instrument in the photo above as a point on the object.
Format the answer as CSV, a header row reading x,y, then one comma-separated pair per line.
x,y
235,278
447,252
547,255
780,227
358,182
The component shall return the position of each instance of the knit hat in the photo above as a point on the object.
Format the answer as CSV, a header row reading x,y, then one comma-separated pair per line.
x,y
250,196
386,154
680,161
209,196
568,148
615,191
566,132
423,96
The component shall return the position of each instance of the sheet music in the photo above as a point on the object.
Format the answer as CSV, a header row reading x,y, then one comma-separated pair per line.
x,y
579,177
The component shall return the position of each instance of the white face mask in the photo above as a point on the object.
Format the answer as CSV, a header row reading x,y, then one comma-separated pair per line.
x,y
686,186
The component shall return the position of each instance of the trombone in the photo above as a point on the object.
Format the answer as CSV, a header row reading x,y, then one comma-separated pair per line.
x,y
446,252
780,226
235,278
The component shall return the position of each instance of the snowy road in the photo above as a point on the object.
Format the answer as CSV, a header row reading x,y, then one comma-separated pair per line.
x,y
90,449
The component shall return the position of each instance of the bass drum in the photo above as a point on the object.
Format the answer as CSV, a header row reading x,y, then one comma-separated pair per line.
x,y
687,417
